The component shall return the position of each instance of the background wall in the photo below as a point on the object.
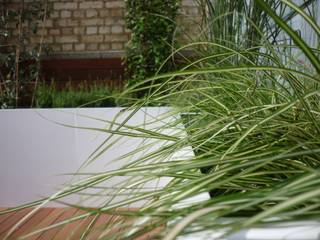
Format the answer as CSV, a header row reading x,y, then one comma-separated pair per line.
x,y
94,26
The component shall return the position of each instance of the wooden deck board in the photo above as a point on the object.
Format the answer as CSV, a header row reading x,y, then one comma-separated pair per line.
x,y
48,221
82,227
69,229
6,225
107,232
94,226
50,234
32,222
4,216
98,227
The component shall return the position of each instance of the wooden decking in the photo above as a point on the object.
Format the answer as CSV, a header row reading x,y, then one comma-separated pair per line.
x,y
92,227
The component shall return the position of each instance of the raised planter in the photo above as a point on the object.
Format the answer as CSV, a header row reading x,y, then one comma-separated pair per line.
x,y
35,150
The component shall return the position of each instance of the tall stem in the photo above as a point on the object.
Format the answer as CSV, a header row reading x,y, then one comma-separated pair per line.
x,y
17,56
39,53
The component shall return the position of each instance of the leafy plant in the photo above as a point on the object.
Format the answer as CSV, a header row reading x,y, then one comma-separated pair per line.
x,y
19,62
152,25
239,24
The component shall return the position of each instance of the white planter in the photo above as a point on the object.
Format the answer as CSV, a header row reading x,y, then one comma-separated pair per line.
x,y
35,151
303,230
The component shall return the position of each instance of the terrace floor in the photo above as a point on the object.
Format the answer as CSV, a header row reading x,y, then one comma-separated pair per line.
x,y
48,216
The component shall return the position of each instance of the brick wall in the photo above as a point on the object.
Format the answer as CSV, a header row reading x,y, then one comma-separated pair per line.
x,y
189,19
79,26
96,26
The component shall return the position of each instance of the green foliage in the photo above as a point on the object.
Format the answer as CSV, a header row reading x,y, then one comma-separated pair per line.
x,y
19,62
243,25
252,118
152,24
47,96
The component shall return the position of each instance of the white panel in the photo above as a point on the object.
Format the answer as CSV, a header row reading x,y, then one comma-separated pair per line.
x,y
34,151
88,140
308,230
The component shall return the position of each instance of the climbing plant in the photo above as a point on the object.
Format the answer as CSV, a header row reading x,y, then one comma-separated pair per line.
x,y
152,26
19,60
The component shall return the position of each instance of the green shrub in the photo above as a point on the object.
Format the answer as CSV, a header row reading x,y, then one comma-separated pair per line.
x,y
152,24
47,96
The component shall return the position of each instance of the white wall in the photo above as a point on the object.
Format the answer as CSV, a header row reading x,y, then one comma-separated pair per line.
x,y
35,150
